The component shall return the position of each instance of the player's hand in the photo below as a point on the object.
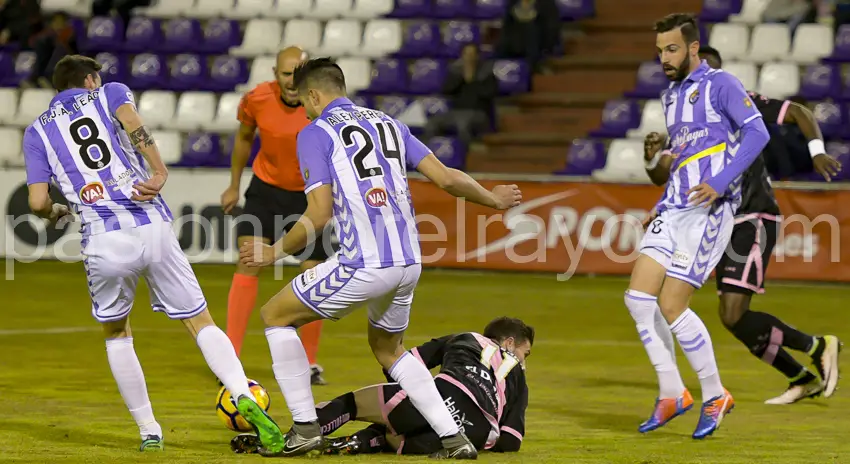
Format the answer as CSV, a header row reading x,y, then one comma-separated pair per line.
x,y
149,189
507,196
229,199
704,195
649,218
652,144
826,166
60,216
257,254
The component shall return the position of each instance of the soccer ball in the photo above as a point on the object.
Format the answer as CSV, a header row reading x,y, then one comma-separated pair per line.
x,y
225,407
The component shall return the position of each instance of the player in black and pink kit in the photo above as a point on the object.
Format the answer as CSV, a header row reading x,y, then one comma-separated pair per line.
x,y
741,271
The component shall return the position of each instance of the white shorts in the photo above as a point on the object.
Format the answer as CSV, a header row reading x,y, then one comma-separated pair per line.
x,y
115,261
689,242
333,291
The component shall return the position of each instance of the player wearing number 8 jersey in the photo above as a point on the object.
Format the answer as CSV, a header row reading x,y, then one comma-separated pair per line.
x,y
92,143
354,162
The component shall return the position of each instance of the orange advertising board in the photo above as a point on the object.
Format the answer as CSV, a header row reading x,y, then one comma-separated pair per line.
x,y
589,228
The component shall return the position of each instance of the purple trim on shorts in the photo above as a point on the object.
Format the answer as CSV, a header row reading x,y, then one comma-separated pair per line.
x,y
108,319
684,278
387,329
306,302
180,316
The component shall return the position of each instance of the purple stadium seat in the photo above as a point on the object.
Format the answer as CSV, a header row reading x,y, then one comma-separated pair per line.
x,y
201,149
513,76
188,72
148,71
362,100
411,9
650,81
716,11
841,52
830,117
820,81
453,9
226,72
434,105
182,35
584,157
391,105
23,66
490,9
449,150
456,35
618,117
7,70
114,67
575,9
427,76
104,33
421,38
841,151
222,34
388,76
143,34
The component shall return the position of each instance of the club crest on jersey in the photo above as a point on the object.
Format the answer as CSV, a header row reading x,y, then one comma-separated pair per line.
x,y
92,192
748,102
376,197
693,97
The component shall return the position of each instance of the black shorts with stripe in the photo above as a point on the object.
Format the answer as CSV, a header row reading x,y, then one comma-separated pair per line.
x,y
743,267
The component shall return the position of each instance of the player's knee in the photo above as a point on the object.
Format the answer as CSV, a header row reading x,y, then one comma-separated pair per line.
x,y
732,307
116,329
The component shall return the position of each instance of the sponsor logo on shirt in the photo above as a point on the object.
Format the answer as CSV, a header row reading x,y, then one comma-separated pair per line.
x,y
685,136
376,197
681,259
91,193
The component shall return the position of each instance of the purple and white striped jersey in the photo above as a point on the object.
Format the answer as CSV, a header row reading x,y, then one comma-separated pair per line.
x,y
79,145
705,113
363,154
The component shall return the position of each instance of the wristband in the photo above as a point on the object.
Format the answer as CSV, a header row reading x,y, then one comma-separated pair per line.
x,y
816,147
651,164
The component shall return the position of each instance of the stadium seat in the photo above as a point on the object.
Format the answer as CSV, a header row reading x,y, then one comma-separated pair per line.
x,y
490,9
10,149
33,102
427,76
453,9
167,8
618,117
769,42
513,76
227,72
421,38
188,72
23,66
624,163
841,50
114,67
751,12
201,150
820,81
362,100
731,40
288,9
449,150
220,35
368,9
358,73
381,37
7,69
830,118
434,105
584,157
143,34
779,80
157,107
717,11
169,146
8,105
225,116
746,72
391,105
305,33
261,38
651,80
388,76
811,43
148,71
104,33
247,9
575,9
330,9
456,35
72,7
210,8
411,9
652,120
261,71
342,37
182,35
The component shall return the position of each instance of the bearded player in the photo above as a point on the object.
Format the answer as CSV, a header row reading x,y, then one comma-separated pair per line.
x,y
741,271
275,198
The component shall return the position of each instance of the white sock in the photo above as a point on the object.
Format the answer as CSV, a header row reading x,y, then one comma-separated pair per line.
x,y
292,371
415,379
662,328
696,343
643,308
131,384
221,357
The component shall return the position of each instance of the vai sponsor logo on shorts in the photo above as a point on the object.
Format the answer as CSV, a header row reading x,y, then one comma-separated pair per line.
x,y
681,260
376,197
92,192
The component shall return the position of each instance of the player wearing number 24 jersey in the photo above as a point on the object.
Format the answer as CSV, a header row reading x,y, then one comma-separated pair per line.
x,y
354,161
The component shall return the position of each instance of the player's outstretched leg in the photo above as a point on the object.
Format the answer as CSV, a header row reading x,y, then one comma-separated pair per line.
x,y
128,375
370,440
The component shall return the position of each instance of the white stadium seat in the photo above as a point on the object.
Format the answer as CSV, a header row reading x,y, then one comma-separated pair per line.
x,y
72,7
368,9
731,40
168,8
751,12
170,146
305,33
329,9
8,105
746,72
779,80
287,9
10,149
358,73
381,37
157,108
769,42
261,38
225,116
210,8
624,163
262,69
811,43
652,120
341,37
33,102
194,110
247,9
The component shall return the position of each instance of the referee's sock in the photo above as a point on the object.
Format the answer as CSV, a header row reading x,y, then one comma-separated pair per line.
x,y
240,304
765,335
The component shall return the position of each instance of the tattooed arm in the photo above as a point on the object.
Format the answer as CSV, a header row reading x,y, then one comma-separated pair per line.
x,y
142,139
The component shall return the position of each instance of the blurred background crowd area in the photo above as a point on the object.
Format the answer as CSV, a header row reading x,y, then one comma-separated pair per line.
x,y
565,87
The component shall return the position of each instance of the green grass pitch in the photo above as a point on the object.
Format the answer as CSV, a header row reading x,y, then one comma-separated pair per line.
x,y
591,383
